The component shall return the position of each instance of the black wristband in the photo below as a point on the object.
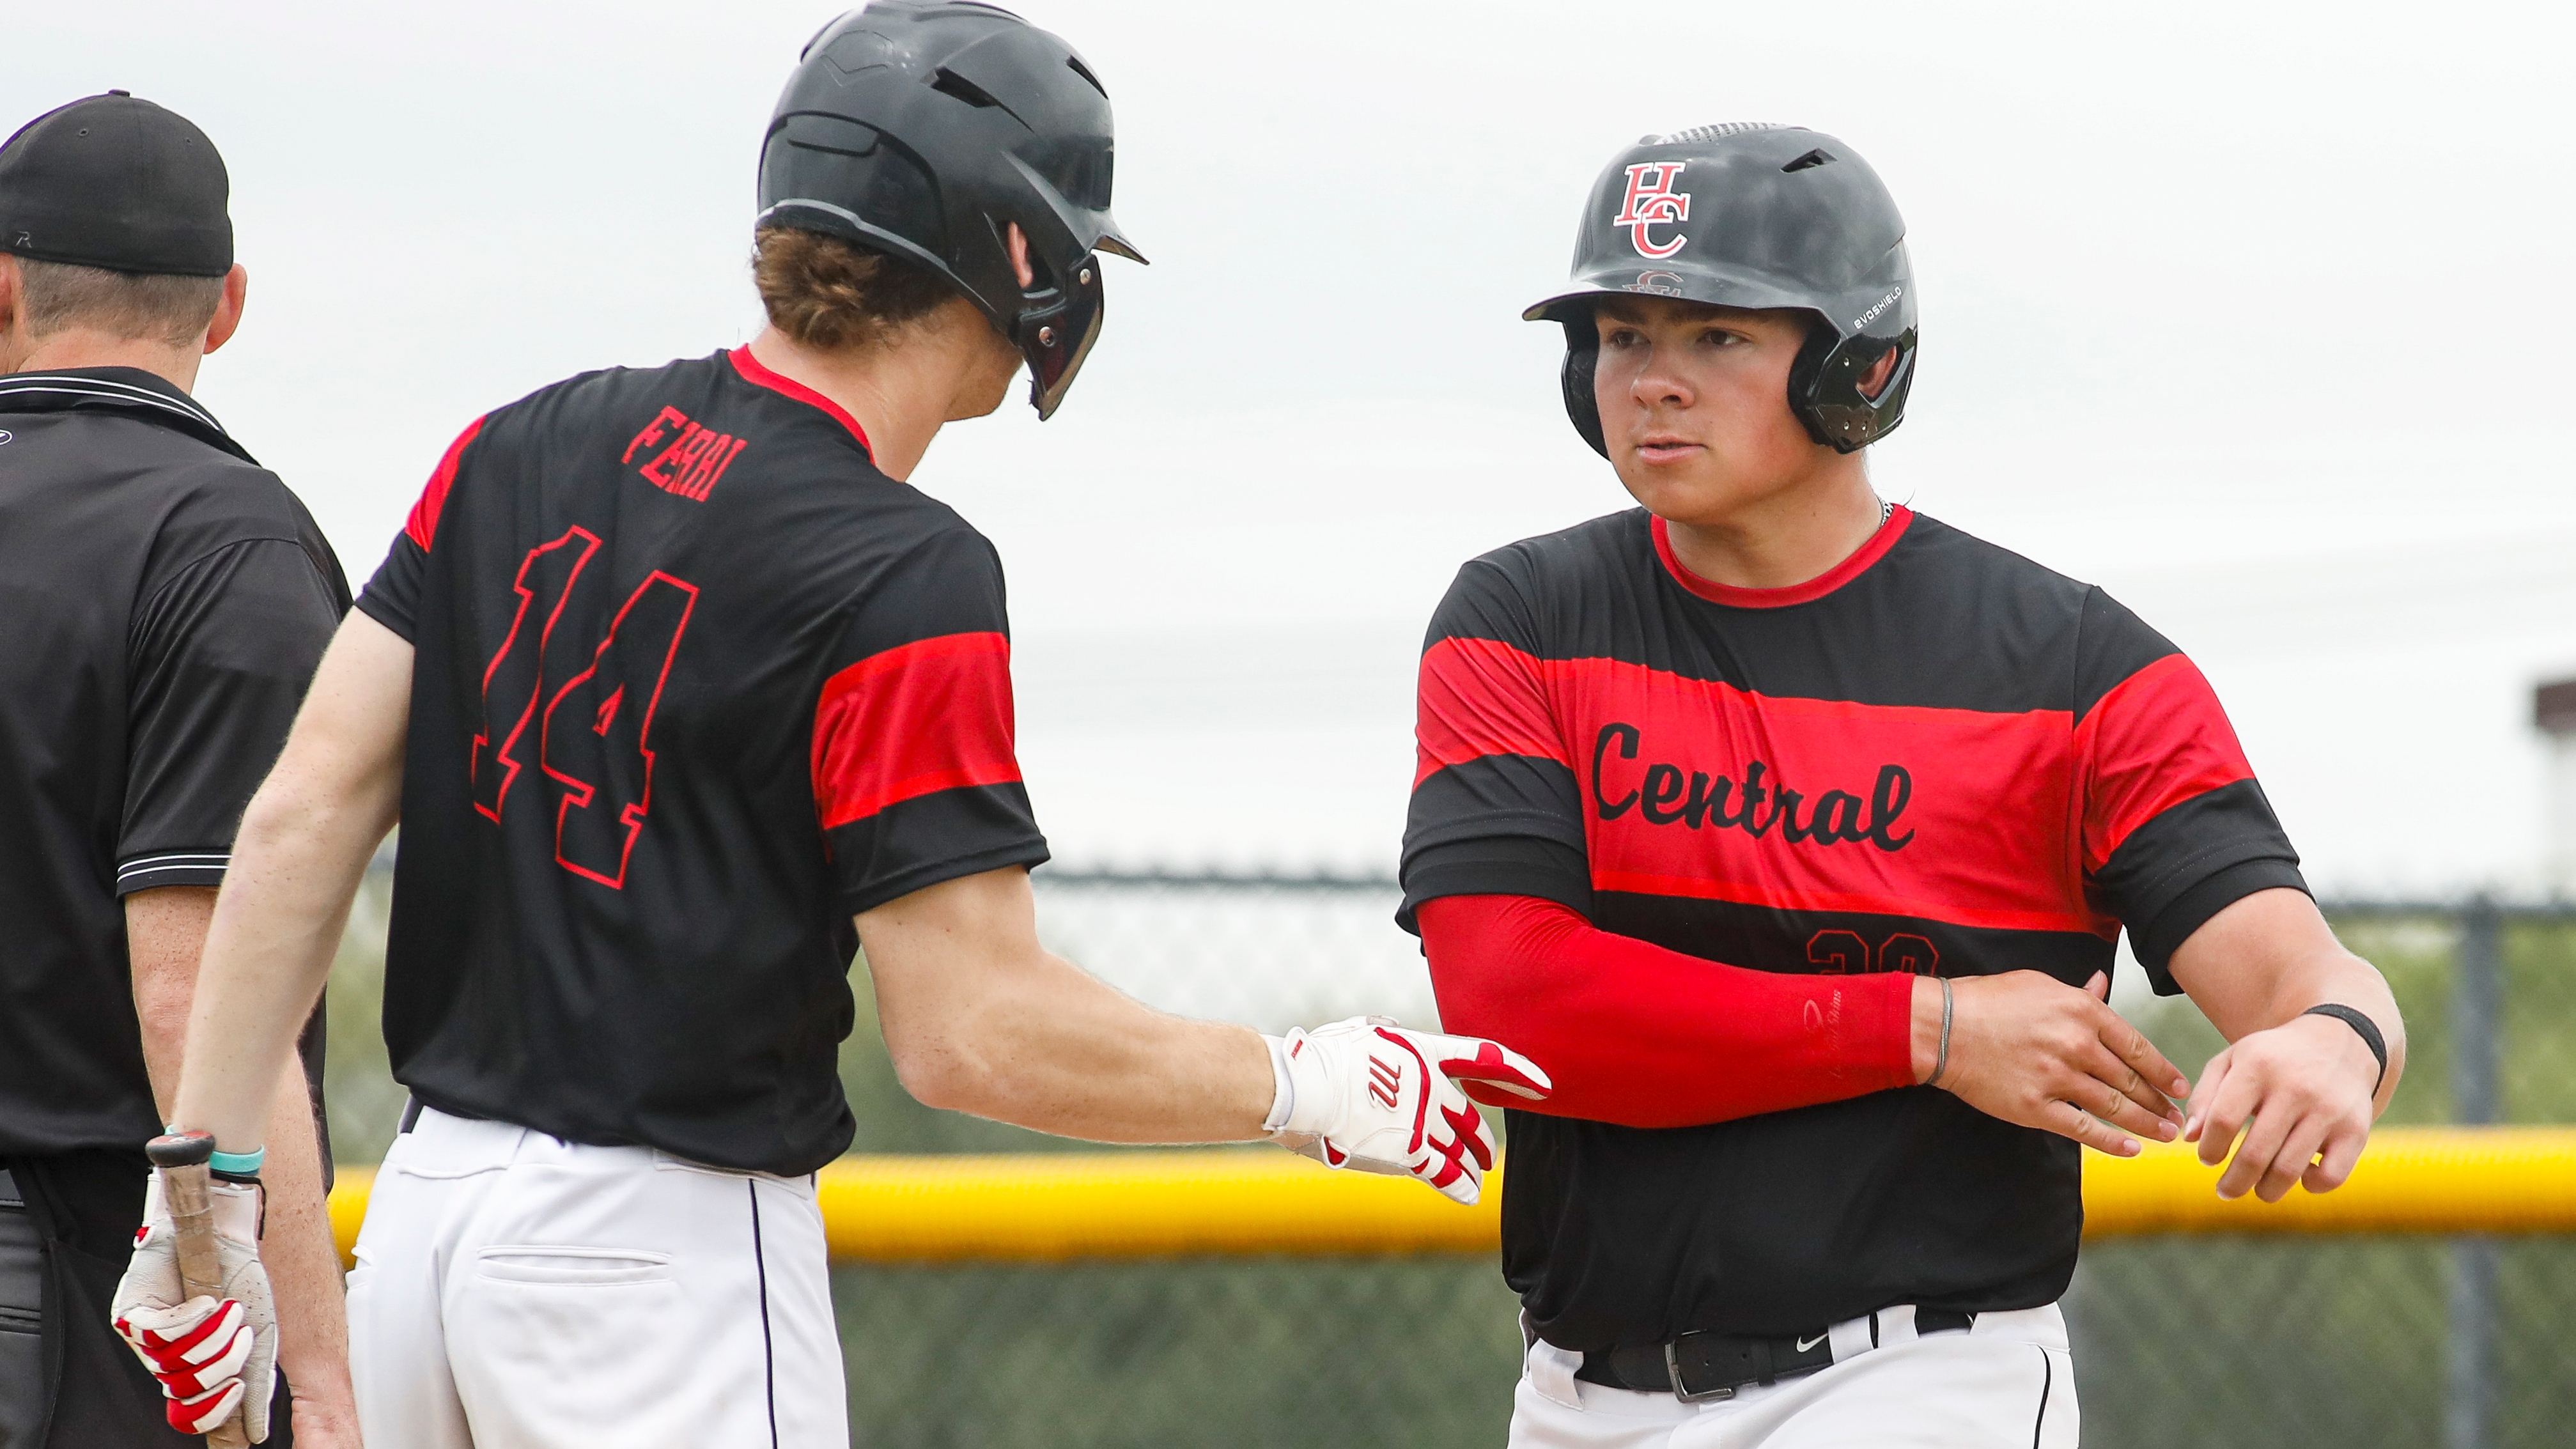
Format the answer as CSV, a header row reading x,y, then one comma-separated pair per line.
x,y
2359,1021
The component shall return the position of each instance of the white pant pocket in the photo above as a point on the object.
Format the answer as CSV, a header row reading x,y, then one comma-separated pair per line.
x,y
570,1267
564,1347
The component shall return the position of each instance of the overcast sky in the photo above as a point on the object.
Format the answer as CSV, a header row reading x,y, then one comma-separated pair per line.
x,y
2253,314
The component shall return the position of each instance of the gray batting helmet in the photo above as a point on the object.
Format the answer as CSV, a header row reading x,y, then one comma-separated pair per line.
x,y
1749,214
924,130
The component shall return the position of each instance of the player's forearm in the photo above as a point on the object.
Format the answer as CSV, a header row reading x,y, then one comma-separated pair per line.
x,y
299,856
1062,1052
981,1019
302,1258
296,865
1639,1035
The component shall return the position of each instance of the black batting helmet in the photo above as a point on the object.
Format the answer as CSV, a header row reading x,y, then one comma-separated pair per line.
x,y
1749,214
924,128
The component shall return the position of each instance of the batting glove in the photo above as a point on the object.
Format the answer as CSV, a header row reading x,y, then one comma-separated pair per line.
x,y
1368,1094
211,1355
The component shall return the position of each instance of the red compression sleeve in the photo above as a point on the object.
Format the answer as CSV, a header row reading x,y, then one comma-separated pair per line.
x,y
1642,1036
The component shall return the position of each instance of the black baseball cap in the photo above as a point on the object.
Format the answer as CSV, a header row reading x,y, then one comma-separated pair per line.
x,y
112,181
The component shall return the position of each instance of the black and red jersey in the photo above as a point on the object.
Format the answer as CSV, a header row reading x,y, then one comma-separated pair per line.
x,y
694,683
1937,757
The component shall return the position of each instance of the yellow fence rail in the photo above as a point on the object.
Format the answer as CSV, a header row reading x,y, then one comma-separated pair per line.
x,y
1039,1208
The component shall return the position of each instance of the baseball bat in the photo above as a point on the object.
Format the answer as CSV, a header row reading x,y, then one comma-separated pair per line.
x,y
181,1159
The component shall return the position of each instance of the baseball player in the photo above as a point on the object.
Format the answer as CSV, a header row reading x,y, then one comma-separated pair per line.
x,y
166,600
1791,831
682,695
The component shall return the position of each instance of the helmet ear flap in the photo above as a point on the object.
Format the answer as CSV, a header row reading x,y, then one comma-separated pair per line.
x,y
1805,372
1582,350
1850,392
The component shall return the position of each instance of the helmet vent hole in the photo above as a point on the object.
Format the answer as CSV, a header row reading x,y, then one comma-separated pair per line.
x,y
1074,63
949,83
1818,157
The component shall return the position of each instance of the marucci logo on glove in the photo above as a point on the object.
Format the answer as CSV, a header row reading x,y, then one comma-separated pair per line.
x,y
1386,1080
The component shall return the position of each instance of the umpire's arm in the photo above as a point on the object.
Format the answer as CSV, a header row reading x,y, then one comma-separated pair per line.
x,y
2295,1085
297,862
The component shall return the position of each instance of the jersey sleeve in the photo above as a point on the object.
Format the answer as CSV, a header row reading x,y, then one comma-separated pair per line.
x,y
1496,810
915,760
2175,826
220,657
392,597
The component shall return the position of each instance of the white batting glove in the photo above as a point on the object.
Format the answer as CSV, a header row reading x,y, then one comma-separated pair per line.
x,y
209,1354
1368,1094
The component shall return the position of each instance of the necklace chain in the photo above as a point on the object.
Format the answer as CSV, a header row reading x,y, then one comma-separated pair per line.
x,y
1886,511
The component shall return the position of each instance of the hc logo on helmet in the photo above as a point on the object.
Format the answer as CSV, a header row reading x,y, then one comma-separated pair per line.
x,y
1651,201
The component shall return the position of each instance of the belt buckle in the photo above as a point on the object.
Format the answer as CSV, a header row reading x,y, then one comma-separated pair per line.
x,y
1681,1389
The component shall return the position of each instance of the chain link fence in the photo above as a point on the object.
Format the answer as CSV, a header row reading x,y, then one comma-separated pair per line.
x,y
2348,1342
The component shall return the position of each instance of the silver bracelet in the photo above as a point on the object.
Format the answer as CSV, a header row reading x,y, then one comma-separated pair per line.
x,y
1941,1063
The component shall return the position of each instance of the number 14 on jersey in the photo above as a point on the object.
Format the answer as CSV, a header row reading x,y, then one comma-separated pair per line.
x,y
581,710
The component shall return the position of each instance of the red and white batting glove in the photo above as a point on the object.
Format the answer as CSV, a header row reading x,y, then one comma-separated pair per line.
x,y
209,1354
1368,1094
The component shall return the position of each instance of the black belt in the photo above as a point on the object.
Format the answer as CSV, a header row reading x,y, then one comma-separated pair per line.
x,y
1701,1366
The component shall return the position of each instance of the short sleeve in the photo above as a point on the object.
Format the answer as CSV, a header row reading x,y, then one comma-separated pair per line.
x,y
2175,826
1495,810
220,657
915,760
392,597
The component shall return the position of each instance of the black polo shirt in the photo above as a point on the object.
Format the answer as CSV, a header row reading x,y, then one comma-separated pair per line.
x,y
163,603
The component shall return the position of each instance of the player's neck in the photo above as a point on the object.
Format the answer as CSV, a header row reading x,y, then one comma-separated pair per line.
x,y
899,394
86,347
1786,537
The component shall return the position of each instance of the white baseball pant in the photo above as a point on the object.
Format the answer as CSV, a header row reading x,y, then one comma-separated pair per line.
x,y
2006,1383
518,1292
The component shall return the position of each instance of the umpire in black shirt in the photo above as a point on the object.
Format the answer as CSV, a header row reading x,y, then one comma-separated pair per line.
x,y
163,603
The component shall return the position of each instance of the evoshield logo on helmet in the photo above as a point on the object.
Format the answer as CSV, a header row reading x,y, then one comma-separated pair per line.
x,y
1656,284
1651,201
1866,318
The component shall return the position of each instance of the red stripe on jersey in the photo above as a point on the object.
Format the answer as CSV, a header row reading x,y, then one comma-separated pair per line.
x,y
2157,739
759,376
423,523
1696,788
1816,588
1481,697
919,718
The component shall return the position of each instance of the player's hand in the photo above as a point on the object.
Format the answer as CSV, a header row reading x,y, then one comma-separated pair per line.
x,y
1372,1095
2037,1052
2298,1090
210,1354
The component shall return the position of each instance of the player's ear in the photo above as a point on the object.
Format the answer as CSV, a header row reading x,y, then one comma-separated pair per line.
x,y
228,312
8,294
1020,257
